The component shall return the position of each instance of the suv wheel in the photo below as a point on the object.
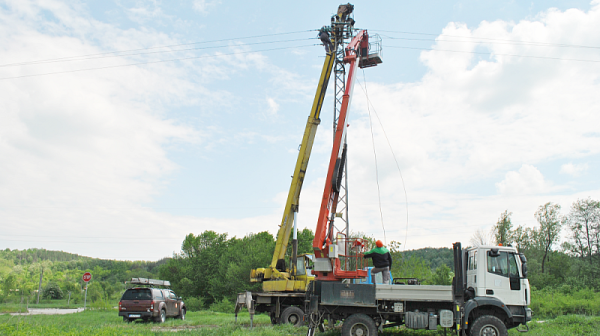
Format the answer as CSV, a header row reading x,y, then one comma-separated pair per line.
x,y
182,314
162,317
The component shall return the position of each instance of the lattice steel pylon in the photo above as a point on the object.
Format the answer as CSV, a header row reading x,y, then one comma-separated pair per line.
x,y
341,27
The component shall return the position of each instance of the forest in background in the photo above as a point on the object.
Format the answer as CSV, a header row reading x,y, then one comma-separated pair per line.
x,y
20,272
212,267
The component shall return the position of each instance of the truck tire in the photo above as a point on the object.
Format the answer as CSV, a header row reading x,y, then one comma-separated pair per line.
x,y
162,316
359,325
293,316
488,325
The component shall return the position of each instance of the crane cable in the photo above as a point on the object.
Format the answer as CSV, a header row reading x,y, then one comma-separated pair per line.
x,y
369,106
375,155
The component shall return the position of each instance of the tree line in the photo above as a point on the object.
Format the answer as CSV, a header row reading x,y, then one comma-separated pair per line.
x,y
211,268
575,262
20,272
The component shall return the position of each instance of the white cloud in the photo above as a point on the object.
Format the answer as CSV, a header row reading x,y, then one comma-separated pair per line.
x,y
470,120
273,106
203,6
83,151
573,169
528,180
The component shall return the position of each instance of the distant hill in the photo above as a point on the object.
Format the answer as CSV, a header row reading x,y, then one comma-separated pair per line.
x,y
434,256
75,261
35,255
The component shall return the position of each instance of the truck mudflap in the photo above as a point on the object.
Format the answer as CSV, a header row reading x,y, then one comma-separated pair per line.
x,y
483,301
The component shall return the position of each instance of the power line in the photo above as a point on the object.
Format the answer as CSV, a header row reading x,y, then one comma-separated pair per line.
x,y
137,54
153,62
157,47
495,54
548,44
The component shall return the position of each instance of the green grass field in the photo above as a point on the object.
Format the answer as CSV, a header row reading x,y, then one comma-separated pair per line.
x,y
217,324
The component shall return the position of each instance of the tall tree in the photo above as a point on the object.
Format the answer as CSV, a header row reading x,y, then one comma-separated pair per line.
x,y
584,222
548,215
480,238
502,229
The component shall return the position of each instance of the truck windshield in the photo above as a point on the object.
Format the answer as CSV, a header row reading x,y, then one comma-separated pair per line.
x,y
137,294
505,265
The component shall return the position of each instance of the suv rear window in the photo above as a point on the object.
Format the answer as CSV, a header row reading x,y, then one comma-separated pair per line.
x,y
137,294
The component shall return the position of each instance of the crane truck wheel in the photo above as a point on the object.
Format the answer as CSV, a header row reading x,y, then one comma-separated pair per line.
x,y
293,316
488,325
359,325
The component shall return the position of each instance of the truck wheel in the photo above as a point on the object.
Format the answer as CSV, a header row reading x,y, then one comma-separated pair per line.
x,y
488,325
359,325
182,315
162,317
293,316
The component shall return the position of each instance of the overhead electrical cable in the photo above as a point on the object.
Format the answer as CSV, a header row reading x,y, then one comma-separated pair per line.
x,y
495,54
157,47
549,44
144,53
393,155
154,62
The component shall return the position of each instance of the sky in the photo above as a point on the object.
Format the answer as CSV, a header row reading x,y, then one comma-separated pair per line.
x,y
126,125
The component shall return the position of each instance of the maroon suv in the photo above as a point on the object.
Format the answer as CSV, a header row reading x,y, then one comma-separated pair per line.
x,y
151,303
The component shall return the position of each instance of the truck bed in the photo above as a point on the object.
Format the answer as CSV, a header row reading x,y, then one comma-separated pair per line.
x,y
413,293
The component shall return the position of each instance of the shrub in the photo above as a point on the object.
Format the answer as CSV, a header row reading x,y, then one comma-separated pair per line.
x,y
194,304
52,291
223,306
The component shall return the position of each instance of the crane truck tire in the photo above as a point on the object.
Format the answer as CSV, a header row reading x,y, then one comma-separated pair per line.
x,y
293,316
488,325
359,325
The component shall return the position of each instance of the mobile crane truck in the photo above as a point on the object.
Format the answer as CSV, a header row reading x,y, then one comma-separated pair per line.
x,y
284,287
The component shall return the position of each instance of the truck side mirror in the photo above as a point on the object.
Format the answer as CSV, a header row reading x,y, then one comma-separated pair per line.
x,y
493,253
523,264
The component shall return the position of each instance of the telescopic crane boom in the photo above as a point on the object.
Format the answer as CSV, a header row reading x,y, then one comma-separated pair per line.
x,y
328,248
288,280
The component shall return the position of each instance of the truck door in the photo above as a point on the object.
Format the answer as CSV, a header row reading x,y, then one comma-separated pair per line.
x,y
172,304
472,271
502,279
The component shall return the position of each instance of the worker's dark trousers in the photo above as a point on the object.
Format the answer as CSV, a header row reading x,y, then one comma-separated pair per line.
x,y
386,274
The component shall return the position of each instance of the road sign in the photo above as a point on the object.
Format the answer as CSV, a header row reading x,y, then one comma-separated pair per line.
x,y
87,276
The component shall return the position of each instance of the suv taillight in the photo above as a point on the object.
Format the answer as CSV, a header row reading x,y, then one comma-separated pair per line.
x,y
152,305
119,305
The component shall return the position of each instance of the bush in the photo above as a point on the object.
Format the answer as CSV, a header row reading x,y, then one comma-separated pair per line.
x,y
52,291
551,302
223,306
194,304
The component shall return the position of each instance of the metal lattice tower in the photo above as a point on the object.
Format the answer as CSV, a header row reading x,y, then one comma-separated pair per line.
x,y
341,32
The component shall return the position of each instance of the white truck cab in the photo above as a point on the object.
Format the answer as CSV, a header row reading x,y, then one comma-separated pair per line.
x,y
499,272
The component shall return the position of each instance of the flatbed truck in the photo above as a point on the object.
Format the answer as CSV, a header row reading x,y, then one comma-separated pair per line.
x,y
489,294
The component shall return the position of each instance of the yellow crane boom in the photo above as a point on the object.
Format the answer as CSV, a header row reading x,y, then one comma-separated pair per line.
x,y
277,268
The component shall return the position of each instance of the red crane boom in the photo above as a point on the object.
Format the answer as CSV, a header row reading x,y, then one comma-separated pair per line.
x,y
328,249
